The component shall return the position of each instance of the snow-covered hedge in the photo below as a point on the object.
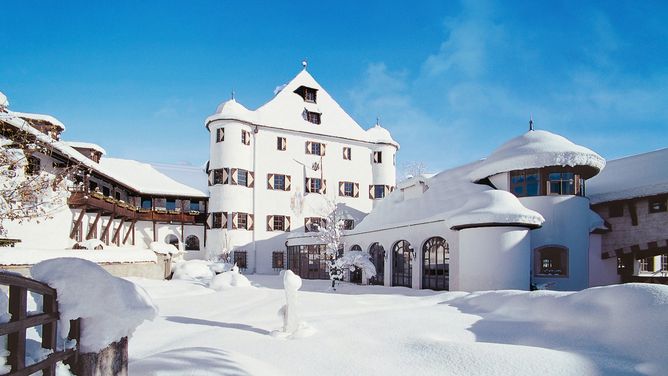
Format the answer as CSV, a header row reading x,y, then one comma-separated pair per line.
x,y
111,307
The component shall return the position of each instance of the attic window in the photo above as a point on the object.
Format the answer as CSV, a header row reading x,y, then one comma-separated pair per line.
x,y
307,93
311,117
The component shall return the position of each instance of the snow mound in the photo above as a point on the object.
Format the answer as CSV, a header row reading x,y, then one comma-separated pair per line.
x,y
493,206
228,280
193,270
111,308
164,248
536,149
615,316
90,244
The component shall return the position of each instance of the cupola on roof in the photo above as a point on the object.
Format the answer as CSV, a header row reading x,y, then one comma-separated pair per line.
x,y
536,149
231,109
380,135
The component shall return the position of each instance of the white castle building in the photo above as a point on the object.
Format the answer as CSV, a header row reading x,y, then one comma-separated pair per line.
x,y
275,172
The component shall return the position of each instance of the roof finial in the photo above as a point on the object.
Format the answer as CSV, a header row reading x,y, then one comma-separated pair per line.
x,y
304,63
377,120
530,122
233,94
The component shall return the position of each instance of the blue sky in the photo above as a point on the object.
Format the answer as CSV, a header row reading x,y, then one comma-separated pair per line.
x,y
451,80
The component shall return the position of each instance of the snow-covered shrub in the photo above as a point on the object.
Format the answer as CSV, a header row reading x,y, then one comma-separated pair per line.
x,y
229,279
111,308
352,260
193,270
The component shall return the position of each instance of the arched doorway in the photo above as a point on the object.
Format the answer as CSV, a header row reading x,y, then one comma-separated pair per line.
x,y
402,264
436,264
356,274
173,240
377,254
192,243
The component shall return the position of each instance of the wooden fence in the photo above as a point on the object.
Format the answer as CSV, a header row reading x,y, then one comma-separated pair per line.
x,y
21,320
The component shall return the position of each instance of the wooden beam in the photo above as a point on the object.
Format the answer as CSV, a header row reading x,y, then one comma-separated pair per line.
x,y
131,229
633,212
117,233
73,233
155,234
105,233
93,227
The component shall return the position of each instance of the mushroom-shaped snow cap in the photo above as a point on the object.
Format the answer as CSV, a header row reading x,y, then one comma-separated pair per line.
x,y
231,109
536,149
381,135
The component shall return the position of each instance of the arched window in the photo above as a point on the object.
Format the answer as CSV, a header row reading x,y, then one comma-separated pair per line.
x,y
436,264
356,248
172,239
551,261
192,243
377,254
402,264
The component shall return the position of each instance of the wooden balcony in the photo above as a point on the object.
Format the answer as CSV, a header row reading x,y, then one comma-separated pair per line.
x,y
96,202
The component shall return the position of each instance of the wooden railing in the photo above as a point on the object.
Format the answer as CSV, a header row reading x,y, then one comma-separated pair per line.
x,y
21,320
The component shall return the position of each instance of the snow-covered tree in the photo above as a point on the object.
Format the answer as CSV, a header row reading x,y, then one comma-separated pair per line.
x,y
27,192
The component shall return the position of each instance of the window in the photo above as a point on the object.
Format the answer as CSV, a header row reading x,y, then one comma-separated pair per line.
x,y
664,263
279,222
117,195
171,204
219,176
314,224
92,185
646,264
106,191
242,177
279,182
561,183
348,224
346,153
220,134
657,204
525,183
551,261
245,137
217,220
277,260
307,93
242,220
378,191
33,166
241,259
192,243
348,189
311,117
314,185
377,157
194,205
281,143
146,203
315,148
616,210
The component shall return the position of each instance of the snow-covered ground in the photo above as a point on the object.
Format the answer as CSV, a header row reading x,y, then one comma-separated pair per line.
x,y
372,330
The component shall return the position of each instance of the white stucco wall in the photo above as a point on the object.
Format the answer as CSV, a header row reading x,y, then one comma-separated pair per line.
x,y
601,272
493,258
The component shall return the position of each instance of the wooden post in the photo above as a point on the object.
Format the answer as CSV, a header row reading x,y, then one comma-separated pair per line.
x,y
131,229
16,341
77,224
105,233
115,238
93,227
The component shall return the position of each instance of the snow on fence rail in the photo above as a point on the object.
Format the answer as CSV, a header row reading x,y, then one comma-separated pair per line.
x,y
21,320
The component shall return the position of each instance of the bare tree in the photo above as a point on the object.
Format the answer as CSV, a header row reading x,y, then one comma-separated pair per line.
x,y
412,169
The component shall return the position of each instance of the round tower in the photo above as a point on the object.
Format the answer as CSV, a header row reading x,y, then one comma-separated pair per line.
x,y
383,162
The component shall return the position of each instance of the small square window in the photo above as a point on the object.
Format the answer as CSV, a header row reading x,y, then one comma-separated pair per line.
x,y
348,224
279,182
315,148
315,185
217,220
277,260
220,134
311,117
279,223
218,176
281,143
348,189
378,191
346,153
242,220
242,178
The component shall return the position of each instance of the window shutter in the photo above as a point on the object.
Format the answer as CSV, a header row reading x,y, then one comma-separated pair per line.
x,y
356,190
342,188
250,222
371,192
251,179
270,223
387,190
211,178
233,176
323,187
270,181
209,220
226,175
287,182
286,223
235,220
307,224
392,188
322,149
308,147
223,222
307,185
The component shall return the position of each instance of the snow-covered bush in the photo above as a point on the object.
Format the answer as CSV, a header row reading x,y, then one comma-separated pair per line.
x,y
194,270
352,260
229,279
111,308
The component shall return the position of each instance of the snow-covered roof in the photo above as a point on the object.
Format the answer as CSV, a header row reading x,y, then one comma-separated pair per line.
x,y
192,176
380,135
40,117
4,102
454,198
285,110
635,176
86,145
535,149
136,175
146,179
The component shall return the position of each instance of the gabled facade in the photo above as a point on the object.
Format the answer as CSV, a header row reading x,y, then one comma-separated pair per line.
x,y
274,171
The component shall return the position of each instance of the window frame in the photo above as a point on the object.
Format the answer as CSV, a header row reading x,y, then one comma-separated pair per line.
x,y
245,221
540,258
244,173
217,220
278,260
312,184
280,219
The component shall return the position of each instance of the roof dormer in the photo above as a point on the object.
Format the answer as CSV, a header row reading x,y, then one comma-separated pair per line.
x,y
308,94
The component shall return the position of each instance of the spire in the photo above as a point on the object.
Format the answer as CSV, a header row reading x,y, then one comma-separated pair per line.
x,y
232,94
377,121
530,122
304,63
